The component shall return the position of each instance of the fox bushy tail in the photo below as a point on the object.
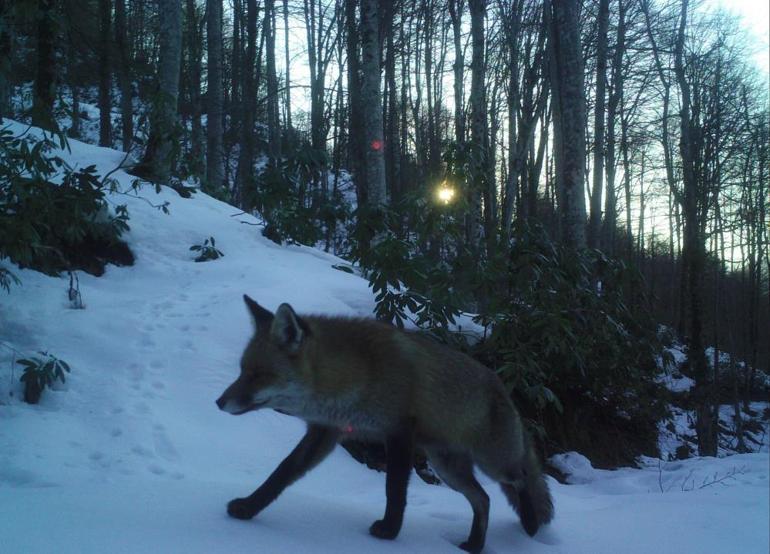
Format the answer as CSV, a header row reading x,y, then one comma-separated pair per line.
x,y
530,496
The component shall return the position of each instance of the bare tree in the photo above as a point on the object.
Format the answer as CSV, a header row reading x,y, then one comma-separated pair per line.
x,y
244,176
45,77
194,49
105,73
569,108
595,223
273,121
372,104
214,97
6,46
479,142
124,74
163,144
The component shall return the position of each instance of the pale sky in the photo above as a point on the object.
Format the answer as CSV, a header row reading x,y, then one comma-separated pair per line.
x,y
755,15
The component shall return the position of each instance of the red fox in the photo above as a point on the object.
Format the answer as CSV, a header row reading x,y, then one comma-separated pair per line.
x,y
362,377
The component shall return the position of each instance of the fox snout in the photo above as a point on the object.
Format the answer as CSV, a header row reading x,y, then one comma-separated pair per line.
x,y
221,401
233,401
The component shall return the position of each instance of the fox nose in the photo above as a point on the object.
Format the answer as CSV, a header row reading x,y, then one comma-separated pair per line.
x,y
221,403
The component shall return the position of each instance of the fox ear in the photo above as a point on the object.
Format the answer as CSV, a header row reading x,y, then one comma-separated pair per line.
x,y
287,330
262,317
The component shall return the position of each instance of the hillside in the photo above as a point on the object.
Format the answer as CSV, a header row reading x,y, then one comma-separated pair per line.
x,y
132,455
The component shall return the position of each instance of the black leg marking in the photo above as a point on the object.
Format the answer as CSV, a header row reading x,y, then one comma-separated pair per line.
x,y
399,450
317,443
456,470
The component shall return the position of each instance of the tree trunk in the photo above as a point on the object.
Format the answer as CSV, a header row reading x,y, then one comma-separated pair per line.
x,y
287,65
478,153
456,14
616,97
163,144
45,77
124,74
372,102
705,425
594,227
6,52
194,61
105,73
236,68
569,108
356,132
244,176
273,124
392,138
215,174
72,71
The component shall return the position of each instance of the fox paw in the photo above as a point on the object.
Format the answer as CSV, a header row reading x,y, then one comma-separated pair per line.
x,y
383,530
241,508
472,547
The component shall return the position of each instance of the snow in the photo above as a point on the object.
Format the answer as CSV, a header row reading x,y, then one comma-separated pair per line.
x,y
132,455
576,468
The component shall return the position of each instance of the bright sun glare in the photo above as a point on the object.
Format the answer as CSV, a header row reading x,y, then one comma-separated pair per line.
x,y
445,193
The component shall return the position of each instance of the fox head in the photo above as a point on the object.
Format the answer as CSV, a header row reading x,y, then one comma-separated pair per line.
x,y
269,364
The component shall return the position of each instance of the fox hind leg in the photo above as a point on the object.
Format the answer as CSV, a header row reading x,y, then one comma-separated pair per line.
x,y
456,470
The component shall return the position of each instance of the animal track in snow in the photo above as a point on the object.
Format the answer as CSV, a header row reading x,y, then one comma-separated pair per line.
x,y
140,450
163,446
141,408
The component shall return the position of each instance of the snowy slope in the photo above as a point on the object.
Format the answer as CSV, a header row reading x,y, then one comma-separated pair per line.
x,y
132,455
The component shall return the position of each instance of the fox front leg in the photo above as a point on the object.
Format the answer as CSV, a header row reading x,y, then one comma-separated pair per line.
x,y
399,449
317,443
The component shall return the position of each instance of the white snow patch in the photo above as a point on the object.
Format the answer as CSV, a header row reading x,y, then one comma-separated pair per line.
x,y
576,467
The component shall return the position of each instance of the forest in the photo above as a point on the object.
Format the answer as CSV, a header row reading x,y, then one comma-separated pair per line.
x,y
589,178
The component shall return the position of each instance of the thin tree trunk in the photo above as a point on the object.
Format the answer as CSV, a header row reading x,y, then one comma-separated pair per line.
x,y
594,227
616,97
287,64
236,69
194,59
273,124
372,101
45,78
392,138
162,151
456,14
705,425
478,101
214,98
569,108
105,73
6,52
244,177
124,75
355,125
72,74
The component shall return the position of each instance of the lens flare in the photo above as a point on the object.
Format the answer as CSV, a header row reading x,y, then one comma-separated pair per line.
x,y
445,193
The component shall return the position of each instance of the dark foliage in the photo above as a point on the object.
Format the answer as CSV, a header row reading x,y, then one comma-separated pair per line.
x,y
293,197
207,251
572,337
53,227
40,373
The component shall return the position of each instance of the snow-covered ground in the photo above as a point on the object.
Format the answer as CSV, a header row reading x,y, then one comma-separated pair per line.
x,y
132,455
